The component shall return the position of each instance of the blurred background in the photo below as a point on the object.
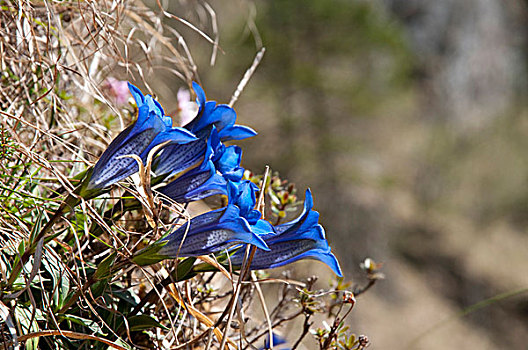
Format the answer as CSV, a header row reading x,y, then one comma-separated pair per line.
x,y
408,120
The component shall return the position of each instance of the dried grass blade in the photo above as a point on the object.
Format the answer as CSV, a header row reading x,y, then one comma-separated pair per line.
x,y
213,262
198,315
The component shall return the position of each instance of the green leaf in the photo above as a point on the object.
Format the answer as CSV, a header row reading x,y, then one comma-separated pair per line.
x,y
124,295
103,270
92,325
183,269
20,281
122,343
21,250
36,228
60,279
28,323
149,255
204,267
142,322
83,190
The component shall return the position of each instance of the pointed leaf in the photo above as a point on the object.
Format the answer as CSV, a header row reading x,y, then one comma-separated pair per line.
x,y
142,322
104,269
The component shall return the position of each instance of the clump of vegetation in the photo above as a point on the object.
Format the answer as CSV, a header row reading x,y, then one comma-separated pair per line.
x,y
119,254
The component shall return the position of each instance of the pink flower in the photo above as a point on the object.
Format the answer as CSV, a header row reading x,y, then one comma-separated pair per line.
x,y
117,89
187,109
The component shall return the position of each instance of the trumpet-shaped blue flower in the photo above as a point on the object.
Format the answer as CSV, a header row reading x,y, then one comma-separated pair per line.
x,y
198,183
243,195
211,232
151,128
222,117
202,181
226,158
299,239
178,157
213,124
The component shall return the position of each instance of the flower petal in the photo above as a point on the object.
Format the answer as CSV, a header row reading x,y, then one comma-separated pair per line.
x,y
174,135
325,257
308,205
242,194
202,120
148,131
236,132
137,94
223,116
229,160
177,157
263,228
301,238
200,95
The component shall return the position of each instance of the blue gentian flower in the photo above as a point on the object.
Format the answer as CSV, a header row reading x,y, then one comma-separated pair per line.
x,y
211,121
196,184
178,157
212,125
243,195
228,163
226,158
151,128
299,239
211,232
222,117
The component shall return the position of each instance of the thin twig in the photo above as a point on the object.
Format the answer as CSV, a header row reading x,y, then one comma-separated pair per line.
x,y
247,76
264,308
306,329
